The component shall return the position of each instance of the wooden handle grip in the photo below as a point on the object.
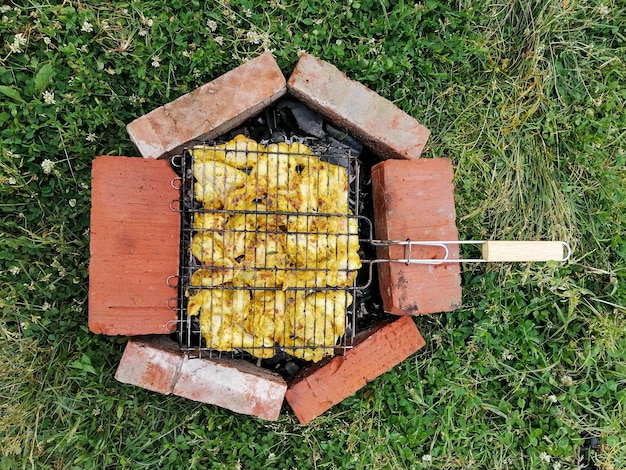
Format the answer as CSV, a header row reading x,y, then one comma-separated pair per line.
x,y
512,251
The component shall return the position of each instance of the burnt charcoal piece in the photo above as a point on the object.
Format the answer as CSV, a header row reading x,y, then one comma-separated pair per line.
x,y
291,368
336,153
278,136
261,130
301,119
337,134
284,364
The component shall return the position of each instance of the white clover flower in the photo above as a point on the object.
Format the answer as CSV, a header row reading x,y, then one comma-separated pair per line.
x,y
142,33
45,306
567,381
156,61
48,97
540,50
545,457
12,180
72,202
47,40
186,53
91,137
52,287
5,8
219,40
18,41
553,399
110,71
104,24
150,23
15,270
427,458
212,25
48,166
254,37
603,10
87,27
556,466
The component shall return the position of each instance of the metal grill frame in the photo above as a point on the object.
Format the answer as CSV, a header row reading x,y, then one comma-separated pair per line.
x,y
188,332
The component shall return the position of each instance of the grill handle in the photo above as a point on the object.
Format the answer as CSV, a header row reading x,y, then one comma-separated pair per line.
x,y
492,251
514,251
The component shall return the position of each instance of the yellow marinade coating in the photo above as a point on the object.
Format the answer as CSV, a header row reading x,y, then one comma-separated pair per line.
x,y
259,243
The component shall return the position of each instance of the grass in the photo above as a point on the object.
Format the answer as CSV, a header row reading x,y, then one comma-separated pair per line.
x,y
527,98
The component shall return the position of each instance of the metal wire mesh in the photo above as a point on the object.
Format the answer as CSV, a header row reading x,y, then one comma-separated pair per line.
x,y
269,249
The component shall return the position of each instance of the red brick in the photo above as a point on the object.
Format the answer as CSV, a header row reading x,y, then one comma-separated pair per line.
x,y
376,121
151,362
235,385
134,246
210,110
414,199
379,350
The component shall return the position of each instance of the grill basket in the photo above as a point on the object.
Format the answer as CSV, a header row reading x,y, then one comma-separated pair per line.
x,y
269,249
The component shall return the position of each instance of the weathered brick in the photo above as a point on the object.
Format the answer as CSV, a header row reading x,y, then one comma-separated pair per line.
x,y
375,352
156,363
376,121
235,385
150,362
134,245
414,199
210,110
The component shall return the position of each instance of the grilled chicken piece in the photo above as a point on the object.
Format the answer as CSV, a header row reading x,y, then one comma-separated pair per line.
x,y
240,152
221,321
315,324
214,181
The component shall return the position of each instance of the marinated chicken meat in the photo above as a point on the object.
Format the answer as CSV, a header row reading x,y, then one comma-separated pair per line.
x,y
277,243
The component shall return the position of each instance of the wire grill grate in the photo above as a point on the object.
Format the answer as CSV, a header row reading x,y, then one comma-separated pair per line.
x,y
269,249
